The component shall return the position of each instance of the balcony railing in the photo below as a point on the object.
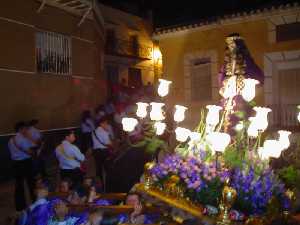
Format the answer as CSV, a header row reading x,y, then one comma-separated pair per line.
x,y
284,117
127,48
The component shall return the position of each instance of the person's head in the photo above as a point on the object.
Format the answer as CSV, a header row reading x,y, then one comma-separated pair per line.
x,y
95,216
60,209
70,136
64,186
86,114
41,190
33,123
88,182
103,122
20,127
99,108
133,199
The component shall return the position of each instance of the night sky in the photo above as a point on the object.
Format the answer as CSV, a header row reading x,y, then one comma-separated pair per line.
x,y
174,12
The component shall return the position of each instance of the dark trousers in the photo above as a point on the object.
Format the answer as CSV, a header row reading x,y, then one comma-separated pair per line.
x,y
86,141
75,175
23,170
100,156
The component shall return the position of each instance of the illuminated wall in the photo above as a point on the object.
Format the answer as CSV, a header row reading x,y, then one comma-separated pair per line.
x,y
180,46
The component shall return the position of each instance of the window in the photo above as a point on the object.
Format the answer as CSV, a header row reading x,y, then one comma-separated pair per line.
x,y
201,80
288,32
134,42
53,53
111,41
112,77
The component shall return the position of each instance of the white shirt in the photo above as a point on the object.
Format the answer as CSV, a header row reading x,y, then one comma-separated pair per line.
x,y
87,126
18,146
103,136
68,155
35,133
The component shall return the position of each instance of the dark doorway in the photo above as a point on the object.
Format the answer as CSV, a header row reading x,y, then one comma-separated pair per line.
x,y
134,45
134,78
112,77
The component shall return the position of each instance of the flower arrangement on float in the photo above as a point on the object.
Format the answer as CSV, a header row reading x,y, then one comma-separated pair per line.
x,y
223,164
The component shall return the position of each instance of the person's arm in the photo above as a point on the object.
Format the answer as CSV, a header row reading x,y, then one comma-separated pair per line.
x,y
77,154
106,139
23,145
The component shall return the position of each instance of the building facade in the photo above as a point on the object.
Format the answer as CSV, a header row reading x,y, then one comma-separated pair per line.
x,y
193,54
130,52
51,61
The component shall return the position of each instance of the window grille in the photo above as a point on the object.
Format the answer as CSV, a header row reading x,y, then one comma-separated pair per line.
x,y
53,53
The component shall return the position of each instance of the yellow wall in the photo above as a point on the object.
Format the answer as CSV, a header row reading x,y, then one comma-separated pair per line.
x,y
126,25
175,45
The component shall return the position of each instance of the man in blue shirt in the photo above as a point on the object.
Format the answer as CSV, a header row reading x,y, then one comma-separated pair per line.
x,y
102,145
70,159
35,136
21,153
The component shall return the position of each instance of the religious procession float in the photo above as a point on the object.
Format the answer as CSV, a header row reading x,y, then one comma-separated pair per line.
x,y
221,170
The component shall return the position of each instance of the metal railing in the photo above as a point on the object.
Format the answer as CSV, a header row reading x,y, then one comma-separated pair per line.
x,y
128,48
284,117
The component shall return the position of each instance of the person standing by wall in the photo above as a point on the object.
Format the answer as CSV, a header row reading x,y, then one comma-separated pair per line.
x,y
87,126
35,136
21,152
70,159
102,146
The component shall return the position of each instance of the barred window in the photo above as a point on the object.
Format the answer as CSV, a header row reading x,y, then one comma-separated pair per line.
x,y
53,53
201,80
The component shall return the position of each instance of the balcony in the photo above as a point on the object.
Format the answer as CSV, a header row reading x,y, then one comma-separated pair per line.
x,y
284,117
128,49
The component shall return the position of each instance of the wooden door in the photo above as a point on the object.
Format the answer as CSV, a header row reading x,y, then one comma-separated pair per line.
x,y
134,77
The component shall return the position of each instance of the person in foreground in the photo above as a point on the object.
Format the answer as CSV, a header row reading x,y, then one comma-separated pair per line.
x,y
21,153
61,215
136,217
38,212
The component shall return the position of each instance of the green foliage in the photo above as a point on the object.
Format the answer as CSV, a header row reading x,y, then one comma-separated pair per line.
x,y
240,114
154,144
290,176
150,142
232,158
209,195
